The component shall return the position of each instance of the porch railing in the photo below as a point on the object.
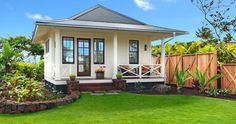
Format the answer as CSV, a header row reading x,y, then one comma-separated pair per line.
x,y
140,70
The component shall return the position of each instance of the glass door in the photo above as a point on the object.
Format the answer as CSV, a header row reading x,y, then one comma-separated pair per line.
x,y
84,65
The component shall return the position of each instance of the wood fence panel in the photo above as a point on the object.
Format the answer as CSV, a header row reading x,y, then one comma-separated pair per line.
x,y
205,62
167,69
228,77
189,62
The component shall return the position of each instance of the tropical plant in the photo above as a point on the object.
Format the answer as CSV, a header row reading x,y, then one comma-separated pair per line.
x,y
119,76
203,81
20,88
181,77
24,45
8,56
35,71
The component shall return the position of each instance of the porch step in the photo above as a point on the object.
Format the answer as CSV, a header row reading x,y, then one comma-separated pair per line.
x,y
96,87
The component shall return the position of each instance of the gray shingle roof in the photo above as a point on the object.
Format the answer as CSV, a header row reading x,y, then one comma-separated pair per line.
x,y
100,17
102,14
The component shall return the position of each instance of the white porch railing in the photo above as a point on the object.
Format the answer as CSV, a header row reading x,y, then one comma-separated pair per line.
x,y
140,71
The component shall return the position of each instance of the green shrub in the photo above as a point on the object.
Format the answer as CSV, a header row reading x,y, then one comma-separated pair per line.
x,y
20,88
119,76
161,88
30,70
217,92
181,77
139,86
203,82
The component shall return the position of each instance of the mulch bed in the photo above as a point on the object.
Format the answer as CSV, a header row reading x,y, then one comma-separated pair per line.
x,y
186,92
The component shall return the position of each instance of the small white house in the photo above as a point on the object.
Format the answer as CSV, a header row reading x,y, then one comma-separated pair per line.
x,y
100,37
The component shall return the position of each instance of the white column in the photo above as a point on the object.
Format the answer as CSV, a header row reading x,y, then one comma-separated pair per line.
x,y
58,55
115,49
163,56
52,55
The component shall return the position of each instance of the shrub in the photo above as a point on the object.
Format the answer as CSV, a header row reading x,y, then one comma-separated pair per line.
x,y
119,76
139,86
217,92
181,77
203,82
30,70
20,88
161,88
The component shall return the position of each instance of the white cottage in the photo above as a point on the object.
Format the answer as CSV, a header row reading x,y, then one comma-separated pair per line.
x,y
100,37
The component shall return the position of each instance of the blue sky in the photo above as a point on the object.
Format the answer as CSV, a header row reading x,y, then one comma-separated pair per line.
x,y
18,16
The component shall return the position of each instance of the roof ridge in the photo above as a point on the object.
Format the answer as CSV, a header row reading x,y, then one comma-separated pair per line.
x,y
101,6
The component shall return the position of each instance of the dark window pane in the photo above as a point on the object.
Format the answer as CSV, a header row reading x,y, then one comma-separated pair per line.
x,y
98,49
68,50
133,52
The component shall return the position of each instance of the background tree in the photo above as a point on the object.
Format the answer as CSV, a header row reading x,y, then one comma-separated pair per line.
x,y
8,56
219,25
23,45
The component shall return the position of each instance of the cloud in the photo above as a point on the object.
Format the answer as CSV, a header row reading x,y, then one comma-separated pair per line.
x,y
144,4
37,16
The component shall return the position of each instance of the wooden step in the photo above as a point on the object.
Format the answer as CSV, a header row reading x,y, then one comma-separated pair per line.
x,y
96,87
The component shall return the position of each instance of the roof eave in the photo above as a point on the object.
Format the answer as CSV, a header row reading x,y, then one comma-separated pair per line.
x,y
178,32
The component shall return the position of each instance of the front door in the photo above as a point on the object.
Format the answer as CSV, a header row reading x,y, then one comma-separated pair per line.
x,y
84,65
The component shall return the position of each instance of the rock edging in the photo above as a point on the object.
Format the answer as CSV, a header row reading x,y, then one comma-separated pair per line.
x,y
11,107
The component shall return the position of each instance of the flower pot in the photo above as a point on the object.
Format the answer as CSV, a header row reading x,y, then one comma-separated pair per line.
x,y
99,75
72,78
119,78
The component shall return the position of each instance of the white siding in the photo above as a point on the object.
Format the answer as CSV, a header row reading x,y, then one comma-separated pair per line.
x,y
123,53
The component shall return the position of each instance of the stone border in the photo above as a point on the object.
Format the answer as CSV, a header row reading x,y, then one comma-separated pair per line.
x,y
11,107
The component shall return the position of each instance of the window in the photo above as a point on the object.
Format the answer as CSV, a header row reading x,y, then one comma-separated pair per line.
x,y
47,47
133,52
68,50
98,51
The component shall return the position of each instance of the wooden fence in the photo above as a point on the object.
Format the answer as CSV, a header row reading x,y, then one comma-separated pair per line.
x,y
205,62
228,77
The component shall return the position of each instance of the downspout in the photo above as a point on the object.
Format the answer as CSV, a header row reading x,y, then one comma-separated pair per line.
x,y
163,55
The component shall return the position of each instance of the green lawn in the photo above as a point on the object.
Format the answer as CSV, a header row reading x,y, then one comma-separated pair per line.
x,y
128,108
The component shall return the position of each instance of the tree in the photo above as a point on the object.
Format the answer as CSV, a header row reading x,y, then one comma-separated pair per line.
x,y
8,56
22,44
218,26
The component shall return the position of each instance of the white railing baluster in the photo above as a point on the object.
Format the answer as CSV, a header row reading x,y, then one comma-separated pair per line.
x,y
140,71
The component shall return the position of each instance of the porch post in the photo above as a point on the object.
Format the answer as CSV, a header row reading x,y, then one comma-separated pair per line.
x,y
163,56
57,55
115,44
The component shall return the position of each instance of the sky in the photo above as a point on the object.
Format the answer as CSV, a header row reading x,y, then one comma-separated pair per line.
x,y
17,17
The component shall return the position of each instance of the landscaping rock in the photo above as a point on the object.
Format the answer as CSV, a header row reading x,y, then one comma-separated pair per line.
x,y
11,107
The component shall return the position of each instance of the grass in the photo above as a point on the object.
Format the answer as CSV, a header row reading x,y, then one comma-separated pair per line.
x,y
128,108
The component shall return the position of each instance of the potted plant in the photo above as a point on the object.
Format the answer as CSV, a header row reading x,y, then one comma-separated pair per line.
x,y
119,76
72,77
99,73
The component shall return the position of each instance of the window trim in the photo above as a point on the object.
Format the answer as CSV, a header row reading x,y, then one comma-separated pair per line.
x,y
103,50
73,50
136,51
47,47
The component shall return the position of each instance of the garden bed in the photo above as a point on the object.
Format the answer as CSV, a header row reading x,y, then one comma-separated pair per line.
x,y
185,92
12,107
